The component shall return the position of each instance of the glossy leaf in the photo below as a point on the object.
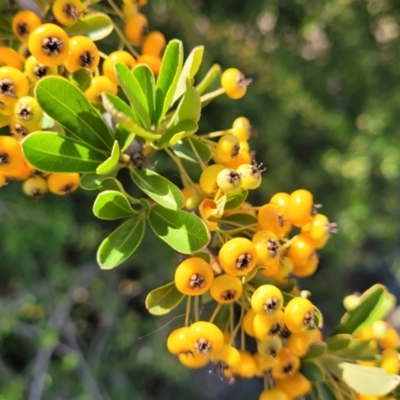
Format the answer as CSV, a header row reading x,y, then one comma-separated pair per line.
x,y
357,349
189,70
190,105
234,200
370,381
211,80
183,231
92,181
123,137
144,75
162,300
120,244
112,205
51,152
192,149
240,218
111,163
160,189
95,26
171,68
134,93
338,342
81,78
111,183
177,132
365,313
312,371
5,27
326,391
67,105
316,350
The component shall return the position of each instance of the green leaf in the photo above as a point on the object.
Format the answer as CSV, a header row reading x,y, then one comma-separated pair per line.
x,y
144,75
212,78
162,300
160,189
120,244
183,231
357,349
234,200
134,93
112,205
189,70
95,26
5,27
51,152
338,342
111,183
365,313
81,78
192,149
316,350
326,391
123,137
124,115
370,381
240,218
92,181
171,68
222,318
67,105
176,133
189,107
312,371
111,163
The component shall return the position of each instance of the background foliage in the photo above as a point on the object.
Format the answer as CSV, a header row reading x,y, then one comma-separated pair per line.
x,y
324,100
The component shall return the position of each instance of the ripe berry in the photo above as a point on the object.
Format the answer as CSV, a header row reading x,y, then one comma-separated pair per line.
x,y
23,23
300,207
3,180
114,58
247,322
36,71
49,44
153,62
82,53
319,229
63,183
13,84
99,85
20,130
10,154
67,12
299,315
264,364
20,173
251,175
177,341
226,358
268,325
229,181
242,129
284,269
390,361
136,28
226,289
227,148
280,199
237,257
298,343
205,338
308,268
193,276
35,187
273,394
270,218
208,178
247,367
6,109
268,250
153,43
27,111
301,249
267,299
294,386
192,195
193,360
10,58
287,364
234,83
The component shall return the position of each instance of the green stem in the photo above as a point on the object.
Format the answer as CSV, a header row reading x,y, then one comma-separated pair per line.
x,y
212,95
187,315
197,308
215,134
185,178
125,41
216,311
116,10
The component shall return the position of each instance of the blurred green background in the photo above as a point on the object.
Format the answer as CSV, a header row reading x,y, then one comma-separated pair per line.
x,y
325,101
